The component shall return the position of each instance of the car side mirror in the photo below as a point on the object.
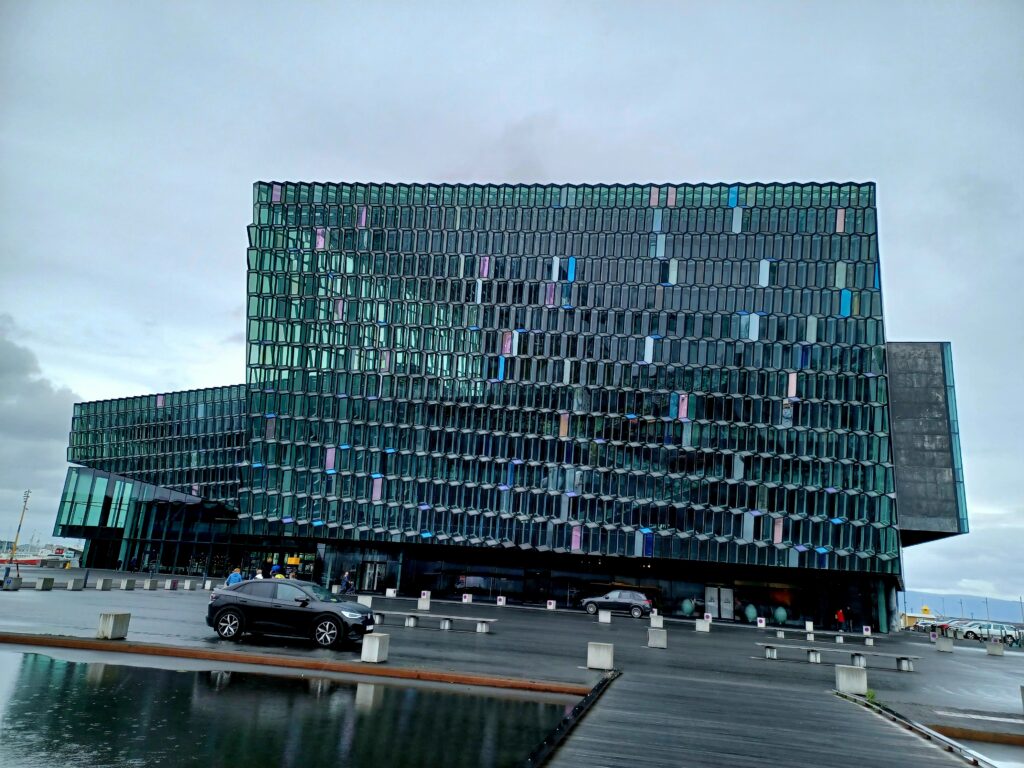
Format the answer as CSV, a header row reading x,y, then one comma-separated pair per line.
x,y
304,601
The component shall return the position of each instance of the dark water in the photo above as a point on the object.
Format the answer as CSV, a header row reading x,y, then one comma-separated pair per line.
x,y
60,713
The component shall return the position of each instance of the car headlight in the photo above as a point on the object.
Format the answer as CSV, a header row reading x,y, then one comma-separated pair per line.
x,y
351,615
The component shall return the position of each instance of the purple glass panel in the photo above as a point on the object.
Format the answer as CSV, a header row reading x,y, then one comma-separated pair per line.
x,y
577,536
654,196
378,485
159,401
551,294
506,343
339,309
329,457
671,196
362,215
275,193
485,266
321,238
271,426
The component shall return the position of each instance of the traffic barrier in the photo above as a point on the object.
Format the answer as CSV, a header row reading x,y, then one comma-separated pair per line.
x,y
44,583
604,617
852,680
12,584
412,621
171,584
552,605
208,585
703,625
149,584
127,585
657,622
501,600
994,648
103,585
423,604
944,644
467,598
189,585
76,585
600,656
657,638
113,626
375,648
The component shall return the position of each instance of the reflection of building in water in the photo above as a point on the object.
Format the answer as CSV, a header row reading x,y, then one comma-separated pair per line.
x,y
368,696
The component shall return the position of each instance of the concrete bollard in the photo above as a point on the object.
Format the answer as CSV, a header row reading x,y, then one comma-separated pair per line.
x,y
808,626
446,624
366,600
810,637
604,617
600,656
859,660
412,621
76,585
994,648
814,657
657,638
869,641
391,592
467,598
336,589
208,585
761,622
501,600
853,680
378,618
839,639
44,583
551,605
113,626
483,627
127,585
944,644
375,648
781,634
171,584
657,622
423,604
703,625
189,585
12,584
771,652
103,585
149,584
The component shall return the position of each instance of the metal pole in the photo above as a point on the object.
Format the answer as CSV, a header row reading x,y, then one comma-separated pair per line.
x,y
961,608
1021,607
14,548
987,617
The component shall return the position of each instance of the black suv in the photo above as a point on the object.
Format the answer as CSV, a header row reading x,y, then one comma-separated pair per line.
x,y
287,607
635,603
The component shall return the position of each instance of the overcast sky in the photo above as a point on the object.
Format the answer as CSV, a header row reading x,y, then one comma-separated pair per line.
x,y
131,133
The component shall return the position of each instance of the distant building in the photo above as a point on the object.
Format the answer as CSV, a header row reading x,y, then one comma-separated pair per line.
x,y
544,390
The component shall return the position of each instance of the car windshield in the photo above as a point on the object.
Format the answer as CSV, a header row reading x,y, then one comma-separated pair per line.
x,y
324,595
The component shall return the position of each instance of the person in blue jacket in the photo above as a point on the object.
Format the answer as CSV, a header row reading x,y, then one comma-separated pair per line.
x,y
235,576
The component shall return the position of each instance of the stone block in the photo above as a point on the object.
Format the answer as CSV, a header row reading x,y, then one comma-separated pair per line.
x,y
189,585
76,585
483,627
814,657
366,600
391,592
810,637
12,584
171,584
423,604
703,625
994,648
467,598
551,605
657,622
657,638
604,617
412,621
44,583
853,680
808,626
600,656
336,589
113,626
781,634
375,648
103,585
905,664
859,660
501,600
944,644
446,624
127,585
839,639
771,652
869,641
149,584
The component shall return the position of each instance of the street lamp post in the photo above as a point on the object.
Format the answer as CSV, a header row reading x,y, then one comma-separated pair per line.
x,y
14,547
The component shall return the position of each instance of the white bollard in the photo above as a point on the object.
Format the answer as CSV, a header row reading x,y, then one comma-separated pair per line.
x,y
467,598
391,592
366,600
853,680
858,660
501,600
657,622
375,648
781,634
703,625
600,656
171,584
870,641
604,617
657,638
76,585
11,584
127,585
839,639
994,648
44,583
552,605
761,622
944,644
149,584
808,626
814,657
483,627
446,624
423,604
208,585
810,637
336,589
412,621
866,630
189,585
103,585
113,626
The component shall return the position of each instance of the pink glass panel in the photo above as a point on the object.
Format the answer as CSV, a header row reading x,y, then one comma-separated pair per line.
x,y
339,309
385,360
329,457
506,343
320,238
551,294
159,401
777,532
671,196
485,266
577,536
195,489
271,426
654,196
275,193
378,485
362,215
563,425
792,385
841,220
684,401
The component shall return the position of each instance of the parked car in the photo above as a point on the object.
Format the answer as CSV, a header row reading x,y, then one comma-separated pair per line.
x,y
990,630
636,604
950,627
287,607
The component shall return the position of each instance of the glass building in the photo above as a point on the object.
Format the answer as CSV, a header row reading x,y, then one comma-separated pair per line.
x,y
545,390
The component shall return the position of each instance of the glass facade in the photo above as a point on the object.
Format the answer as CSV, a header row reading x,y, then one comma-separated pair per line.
x,y
689,372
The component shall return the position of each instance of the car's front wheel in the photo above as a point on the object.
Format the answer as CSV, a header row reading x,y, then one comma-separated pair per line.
x,y
591,608
636,612
327,631
229,624
970,635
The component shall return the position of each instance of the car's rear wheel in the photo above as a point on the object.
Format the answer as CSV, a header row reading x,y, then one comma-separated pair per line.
x,y
327,631
1008,639
970,635
636,612
591,608
229,624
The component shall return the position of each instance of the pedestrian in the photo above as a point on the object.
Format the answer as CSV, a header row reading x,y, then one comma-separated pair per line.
x,y
849,619
346,584
267,568
840,620
275,572
133,565
259,574
235,577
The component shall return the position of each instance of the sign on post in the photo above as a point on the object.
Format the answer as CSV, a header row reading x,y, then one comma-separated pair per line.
x,y
760,622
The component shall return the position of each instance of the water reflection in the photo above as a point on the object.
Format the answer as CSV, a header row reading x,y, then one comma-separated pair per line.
x,y
75,714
